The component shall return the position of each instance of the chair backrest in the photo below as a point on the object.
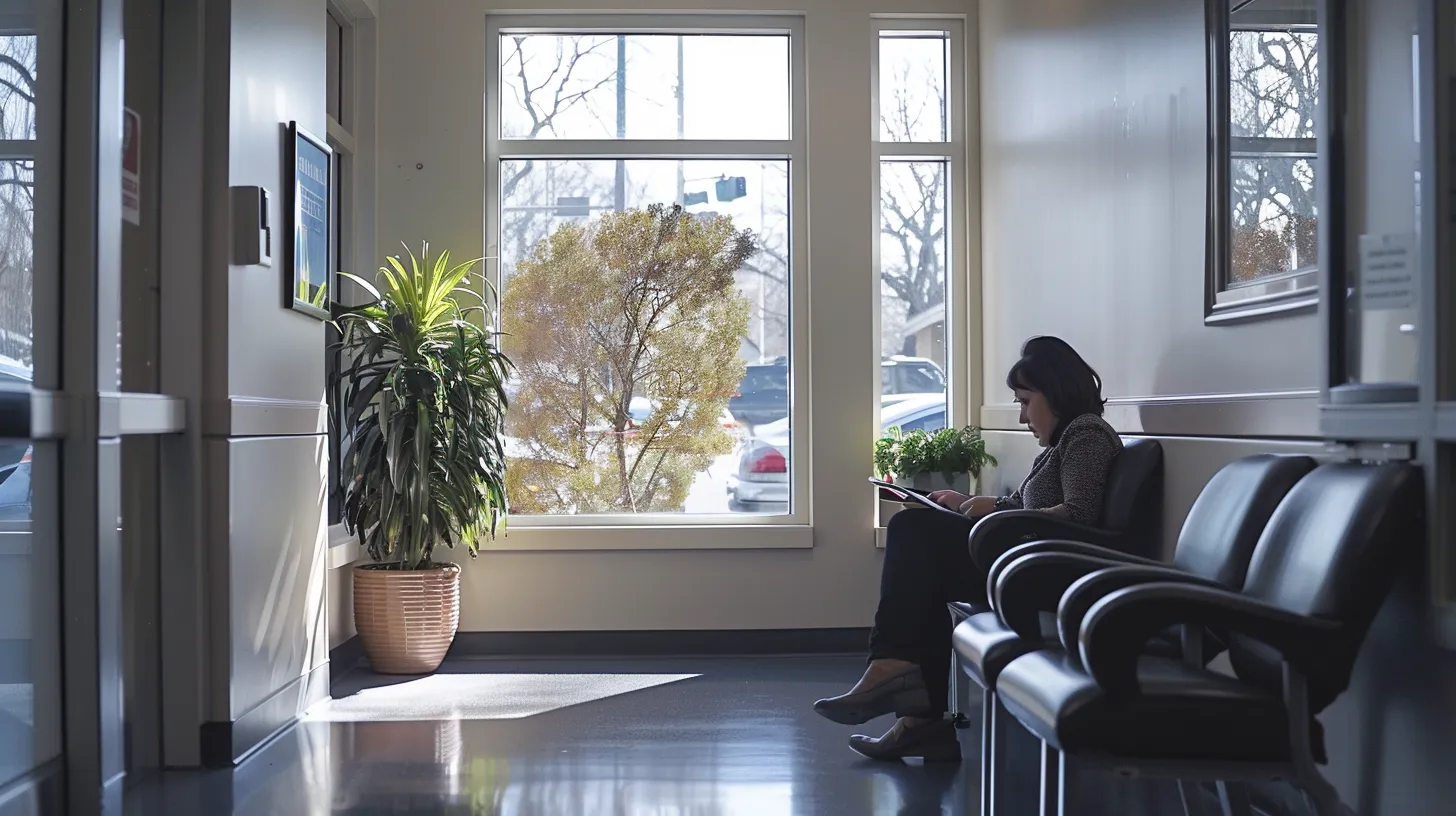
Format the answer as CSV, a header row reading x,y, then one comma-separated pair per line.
x,y
1332,551
1132,504
1229,516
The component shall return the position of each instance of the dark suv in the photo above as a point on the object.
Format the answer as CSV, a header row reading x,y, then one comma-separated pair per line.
x,y
763,396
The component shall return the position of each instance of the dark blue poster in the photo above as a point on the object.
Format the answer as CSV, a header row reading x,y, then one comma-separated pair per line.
x,y
312,271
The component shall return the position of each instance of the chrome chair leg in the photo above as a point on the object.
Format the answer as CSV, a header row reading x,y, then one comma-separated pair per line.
x,y
1053,782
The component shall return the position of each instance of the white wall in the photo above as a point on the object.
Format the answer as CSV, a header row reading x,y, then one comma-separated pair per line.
x,y
432,90
264,423
1093,173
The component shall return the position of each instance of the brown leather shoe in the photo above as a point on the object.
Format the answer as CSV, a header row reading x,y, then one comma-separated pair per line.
x,y
934,741
902,694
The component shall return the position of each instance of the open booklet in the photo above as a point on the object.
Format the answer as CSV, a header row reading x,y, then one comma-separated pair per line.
x,y
910,496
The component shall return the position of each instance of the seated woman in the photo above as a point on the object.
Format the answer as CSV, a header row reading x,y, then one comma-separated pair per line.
x,y
928,563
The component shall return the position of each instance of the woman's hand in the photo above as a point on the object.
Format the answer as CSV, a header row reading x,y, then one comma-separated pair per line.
x,y
950,498
979,506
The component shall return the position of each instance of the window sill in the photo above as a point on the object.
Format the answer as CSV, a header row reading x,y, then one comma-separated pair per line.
x,y
343,548
1261,308
556,539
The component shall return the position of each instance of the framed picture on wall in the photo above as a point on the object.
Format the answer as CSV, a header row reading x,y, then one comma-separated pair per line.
x,y
308,277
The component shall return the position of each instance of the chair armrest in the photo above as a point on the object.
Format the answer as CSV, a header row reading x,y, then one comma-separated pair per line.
x,y
1118,627
1034,584
1060,545
998,532
1083,594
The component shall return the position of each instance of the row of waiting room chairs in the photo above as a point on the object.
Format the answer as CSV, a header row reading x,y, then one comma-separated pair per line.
x,y
1101,651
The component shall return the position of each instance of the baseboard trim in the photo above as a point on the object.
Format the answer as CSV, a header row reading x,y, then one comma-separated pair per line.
x,y
41,791
226,744
255,416
709,642
345,656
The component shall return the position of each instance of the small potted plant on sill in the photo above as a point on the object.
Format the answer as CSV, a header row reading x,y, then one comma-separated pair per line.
x,y
424,407
949,459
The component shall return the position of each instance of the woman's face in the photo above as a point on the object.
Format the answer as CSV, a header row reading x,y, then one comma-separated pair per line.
x,y
1036,414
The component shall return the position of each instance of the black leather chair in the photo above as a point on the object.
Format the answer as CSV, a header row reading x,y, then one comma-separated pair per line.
x,y
1216,542
1319,575
1132,517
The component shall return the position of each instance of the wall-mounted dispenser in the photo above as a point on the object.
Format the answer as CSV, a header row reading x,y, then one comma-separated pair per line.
x,y
252,227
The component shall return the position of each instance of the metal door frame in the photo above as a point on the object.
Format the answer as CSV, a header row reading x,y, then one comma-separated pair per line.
x,y
91,414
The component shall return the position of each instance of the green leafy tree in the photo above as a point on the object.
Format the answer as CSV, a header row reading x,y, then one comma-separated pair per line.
x,y
638,304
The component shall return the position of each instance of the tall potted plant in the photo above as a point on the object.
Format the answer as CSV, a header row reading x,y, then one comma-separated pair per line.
x,y
424,407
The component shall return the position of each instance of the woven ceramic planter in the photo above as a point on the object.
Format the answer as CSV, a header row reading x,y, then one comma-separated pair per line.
x,y
406,618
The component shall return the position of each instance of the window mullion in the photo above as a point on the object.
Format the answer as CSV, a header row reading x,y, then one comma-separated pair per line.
x,y
916,151
643,148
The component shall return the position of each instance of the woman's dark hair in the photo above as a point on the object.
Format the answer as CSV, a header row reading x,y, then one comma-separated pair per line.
x,y
1053,368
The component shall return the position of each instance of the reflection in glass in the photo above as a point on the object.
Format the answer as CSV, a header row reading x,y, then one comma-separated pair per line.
x,y
1273,82
913,250
913,71
29,647
1273,106
1274,229
644,86
637,374
17,86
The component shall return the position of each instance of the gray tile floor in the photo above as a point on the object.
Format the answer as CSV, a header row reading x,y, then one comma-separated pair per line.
x,y
655,737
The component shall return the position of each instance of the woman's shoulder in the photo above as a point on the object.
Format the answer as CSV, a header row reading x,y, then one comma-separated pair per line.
x,y
1090,427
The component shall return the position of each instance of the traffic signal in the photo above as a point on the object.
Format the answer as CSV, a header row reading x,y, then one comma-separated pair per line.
x,y
573,206
731,188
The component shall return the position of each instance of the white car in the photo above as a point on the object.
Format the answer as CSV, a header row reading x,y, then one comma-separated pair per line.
x,y
761,484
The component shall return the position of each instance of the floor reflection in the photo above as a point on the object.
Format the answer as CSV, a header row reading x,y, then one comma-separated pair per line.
x,y
721,738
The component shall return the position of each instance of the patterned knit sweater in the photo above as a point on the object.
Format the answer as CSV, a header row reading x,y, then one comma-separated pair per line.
x,y
1069,478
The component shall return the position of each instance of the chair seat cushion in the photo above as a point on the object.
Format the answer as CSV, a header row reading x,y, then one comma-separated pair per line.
x,y
1183,712
960,610
985,646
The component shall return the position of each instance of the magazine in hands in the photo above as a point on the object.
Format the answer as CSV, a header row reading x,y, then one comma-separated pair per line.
x,y
911,497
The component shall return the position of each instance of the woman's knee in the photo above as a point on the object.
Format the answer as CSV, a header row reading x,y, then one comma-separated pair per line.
x,y
910,522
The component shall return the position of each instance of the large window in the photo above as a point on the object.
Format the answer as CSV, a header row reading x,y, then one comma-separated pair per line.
x,y
918,162
643,180
1262,183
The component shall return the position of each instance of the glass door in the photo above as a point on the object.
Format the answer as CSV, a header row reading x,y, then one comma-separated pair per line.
x,y
31,410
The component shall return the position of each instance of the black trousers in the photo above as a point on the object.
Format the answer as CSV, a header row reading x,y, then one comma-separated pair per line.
x,y
927,564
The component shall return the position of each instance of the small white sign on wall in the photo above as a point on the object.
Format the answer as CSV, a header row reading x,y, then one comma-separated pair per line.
x,y
1388,266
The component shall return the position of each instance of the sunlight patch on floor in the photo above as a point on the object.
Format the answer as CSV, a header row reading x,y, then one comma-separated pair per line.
x,y
481,696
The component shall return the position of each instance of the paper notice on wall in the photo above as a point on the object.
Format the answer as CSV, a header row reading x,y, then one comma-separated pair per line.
x,y
1388,267
131,168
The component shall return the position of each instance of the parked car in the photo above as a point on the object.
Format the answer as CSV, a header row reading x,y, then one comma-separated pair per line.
x,y
763,396
13,377
761,484
900,375
15,489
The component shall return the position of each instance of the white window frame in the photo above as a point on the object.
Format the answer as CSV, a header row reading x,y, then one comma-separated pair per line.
x,y
352,141
962,363
614,531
